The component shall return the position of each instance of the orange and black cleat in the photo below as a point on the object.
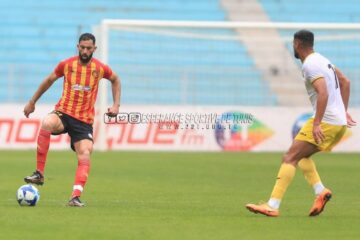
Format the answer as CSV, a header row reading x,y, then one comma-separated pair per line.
x,y
264,209
320,202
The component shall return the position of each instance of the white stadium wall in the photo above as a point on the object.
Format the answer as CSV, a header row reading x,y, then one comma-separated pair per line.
x,y
178,128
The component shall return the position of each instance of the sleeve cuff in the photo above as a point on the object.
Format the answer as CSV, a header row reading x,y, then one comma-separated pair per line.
x,y
312,80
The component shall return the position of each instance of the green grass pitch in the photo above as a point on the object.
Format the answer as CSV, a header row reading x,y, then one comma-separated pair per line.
x,y
185,196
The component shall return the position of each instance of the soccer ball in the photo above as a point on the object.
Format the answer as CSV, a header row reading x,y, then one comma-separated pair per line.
x,y
27,195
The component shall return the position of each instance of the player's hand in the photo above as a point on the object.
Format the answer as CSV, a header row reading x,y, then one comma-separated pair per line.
x,y
350,122
318,134
113,111
29,108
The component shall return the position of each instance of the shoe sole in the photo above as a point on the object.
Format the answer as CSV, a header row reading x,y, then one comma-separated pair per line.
x,y
30,181
253,210
75,205
326,199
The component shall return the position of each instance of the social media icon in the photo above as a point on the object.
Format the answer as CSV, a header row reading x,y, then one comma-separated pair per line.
x,y
122,118
134,118
108,119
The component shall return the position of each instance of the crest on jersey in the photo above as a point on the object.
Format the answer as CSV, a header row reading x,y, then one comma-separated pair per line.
x,y
95,73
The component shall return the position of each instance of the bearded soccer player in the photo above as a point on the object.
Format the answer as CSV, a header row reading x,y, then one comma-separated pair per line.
x,y
328,90
74,113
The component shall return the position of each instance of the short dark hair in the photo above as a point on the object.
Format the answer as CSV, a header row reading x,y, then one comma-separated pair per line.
x,y
87,36
306,37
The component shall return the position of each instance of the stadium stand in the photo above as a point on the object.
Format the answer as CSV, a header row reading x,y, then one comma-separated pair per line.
x,y
305,11
36,35
336,12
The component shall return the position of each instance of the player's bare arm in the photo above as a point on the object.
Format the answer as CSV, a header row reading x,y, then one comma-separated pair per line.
x,y
322,98
116,93
344,83
44,86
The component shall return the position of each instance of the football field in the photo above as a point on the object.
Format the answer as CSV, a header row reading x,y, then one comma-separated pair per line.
x,y
156,195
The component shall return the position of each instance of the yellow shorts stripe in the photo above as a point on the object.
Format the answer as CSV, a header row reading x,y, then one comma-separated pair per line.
x,y
332,133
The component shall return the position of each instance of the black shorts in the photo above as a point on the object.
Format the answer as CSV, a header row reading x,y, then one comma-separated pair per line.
x,y
76,129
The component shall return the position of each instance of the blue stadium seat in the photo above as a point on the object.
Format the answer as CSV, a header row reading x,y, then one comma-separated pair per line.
x,y
330,11
36,35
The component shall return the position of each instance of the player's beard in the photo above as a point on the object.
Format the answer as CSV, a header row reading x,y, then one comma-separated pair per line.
x,y
296,54
85,58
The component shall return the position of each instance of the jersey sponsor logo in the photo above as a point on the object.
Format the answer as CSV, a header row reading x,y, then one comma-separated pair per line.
x,y
78,87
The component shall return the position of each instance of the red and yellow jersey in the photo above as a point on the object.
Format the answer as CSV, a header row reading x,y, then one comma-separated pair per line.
x,y
80,87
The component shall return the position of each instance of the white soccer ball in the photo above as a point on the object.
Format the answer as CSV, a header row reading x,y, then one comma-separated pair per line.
x,y
27,195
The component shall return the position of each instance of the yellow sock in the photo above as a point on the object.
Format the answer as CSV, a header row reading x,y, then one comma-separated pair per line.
x,y
283,180
308,168
311,175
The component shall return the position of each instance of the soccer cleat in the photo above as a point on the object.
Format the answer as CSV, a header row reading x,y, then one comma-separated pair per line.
x,y
263,209
320,202
75,202
36,178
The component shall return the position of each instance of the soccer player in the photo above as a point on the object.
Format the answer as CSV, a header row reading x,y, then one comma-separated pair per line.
x,y
328,90
74,113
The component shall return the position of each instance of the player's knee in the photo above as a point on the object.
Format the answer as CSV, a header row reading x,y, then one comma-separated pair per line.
x,y
52,123
288,159
84,152
83,148
47,124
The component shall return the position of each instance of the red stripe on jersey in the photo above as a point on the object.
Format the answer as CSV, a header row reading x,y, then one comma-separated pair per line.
x,y
77,93
96,86
85,104
61,101
69,81
74,78
62,105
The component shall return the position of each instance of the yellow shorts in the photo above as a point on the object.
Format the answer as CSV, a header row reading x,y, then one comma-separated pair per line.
x,y
332,133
